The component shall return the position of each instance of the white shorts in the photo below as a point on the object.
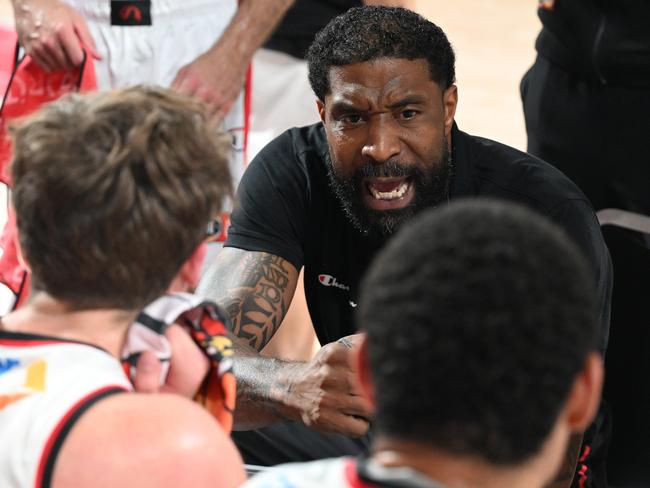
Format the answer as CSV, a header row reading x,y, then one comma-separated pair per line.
x,y
153,54
281,98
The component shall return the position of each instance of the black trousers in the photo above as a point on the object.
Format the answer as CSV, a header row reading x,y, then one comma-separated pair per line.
x,y
293,442
599,136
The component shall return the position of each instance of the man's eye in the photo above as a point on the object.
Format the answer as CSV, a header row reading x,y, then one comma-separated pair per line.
x,y
351,119
409,114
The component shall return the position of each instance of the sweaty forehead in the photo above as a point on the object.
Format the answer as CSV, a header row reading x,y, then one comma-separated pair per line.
x,y
380,79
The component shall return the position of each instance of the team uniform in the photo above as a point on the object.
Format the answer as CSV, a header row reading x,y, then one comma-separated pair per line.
x,y
344,472
171,34
46,384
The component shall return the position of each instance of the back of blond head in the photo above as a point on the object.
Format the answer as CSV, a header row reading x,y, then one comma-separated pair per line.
x,y
113,192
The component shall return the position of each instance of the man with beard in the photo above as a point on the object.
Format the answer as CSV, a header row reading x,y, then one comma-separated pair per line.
x,y
328,196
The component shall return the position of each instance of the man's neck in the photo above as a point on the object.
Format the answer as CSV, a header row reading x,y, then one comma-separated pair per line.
x,y
42,314
451,470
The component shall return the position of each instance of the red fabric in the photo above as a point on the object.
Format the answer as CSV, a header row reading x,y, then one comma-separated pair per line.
x,y
7,49
30,87
219,389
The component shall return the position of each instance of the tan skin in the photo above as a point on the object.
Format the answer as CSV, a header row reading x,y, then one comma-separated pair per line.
x,y
256,288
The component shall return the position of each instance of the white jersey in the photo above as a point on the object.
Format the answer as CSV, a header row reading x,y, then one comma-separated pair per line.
x,y
46,383
345,472
180,31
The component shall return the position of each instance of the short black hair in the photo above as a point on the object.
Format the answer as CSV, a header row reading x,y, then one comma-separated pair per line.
x,y
372,32
479,317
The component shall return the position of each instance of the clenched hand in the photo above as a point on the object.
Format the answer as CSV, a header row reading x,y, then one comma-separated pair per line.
x,y
326,393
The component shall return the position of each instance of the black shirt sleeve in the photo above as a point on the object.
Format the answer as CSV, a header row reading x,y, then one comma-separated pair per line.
x,y
272,198
578,219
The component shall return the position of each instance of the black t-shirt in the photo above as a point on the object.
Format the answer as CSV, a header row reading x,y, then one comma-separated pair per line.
x,y
286,208
604,41
303,20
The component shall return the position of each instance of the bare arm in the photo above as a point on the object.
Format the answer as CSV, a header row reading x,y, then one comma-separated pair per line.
x,y
256,288
136,451
218,75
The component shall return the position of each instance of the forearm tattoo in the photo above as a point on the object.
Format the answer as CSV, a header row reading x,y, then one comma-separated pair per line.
x,y
251,287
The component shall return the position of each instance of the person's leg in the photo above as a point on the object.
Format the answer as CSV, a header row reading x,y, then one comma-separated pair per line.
x,y
564,126
294,442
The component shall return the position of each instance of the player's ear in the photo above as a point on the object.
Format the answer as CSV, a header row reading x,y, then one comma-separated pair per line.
x,y
188,276
584,397
450,102
321,109
20,254
362,368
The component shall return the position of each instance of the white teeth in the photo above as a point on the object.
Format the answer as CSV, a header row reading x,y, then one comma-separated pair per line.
x,y
389,195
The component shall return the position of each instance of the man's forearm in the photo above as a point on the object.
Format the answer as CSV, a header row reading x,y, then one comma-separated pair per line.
x,y
263,388
252,24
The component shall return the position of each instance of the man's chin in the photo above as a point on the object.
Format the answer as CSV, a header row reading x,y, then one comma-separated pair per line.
x,y
384,223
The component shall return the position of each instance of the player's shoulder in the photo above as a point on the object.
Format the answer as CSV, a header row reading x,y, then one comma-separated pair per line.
x,y
324,472
491,168
147,440
296,145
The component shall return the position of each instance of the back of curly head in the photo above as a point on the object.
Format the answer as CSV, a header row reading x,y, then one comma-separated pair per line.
x,y
113,192
372,32
479,317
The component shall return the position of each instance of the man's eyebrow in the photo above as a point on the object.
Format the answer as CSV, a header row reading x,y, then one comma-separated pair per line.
x,y
342,106
408,100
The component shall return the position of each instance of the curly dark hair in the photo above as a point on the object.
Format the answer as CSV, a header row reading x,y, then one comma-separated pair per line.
x,y
479,317
371,32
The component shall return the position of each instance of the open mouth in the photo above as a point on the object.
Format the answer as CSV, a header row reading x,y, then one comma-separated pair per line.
x,y
388,193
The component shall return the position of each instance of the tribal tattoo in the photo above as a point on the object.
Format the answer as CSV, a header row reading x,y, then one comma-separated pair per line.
x,y
252,287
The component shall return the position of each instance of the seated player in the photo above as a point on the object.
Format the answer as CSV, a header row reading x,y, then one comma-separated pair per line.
x,y
480,355
113,193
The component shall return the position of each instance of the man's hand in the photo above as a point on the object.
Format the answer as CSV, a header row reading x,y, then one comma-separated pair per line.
x,y
52,33
326,394
216,78
187,369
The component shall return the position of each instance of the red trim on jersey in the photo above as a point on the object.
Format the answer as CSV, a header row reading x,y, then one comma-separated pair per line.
x,y
29,342
47,450
352,477
583,469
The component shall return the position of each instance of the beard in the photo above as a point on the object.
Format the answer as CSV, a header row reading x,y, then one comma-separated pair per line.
x,y
431,187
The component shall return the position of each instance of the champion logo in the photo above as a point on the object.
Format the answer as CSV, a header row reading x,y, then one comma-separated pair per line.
x,y
131,11
329,280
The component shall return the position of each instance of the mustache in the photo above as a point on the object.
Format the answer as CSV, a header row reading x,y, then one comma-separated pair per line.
x,y
389,169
